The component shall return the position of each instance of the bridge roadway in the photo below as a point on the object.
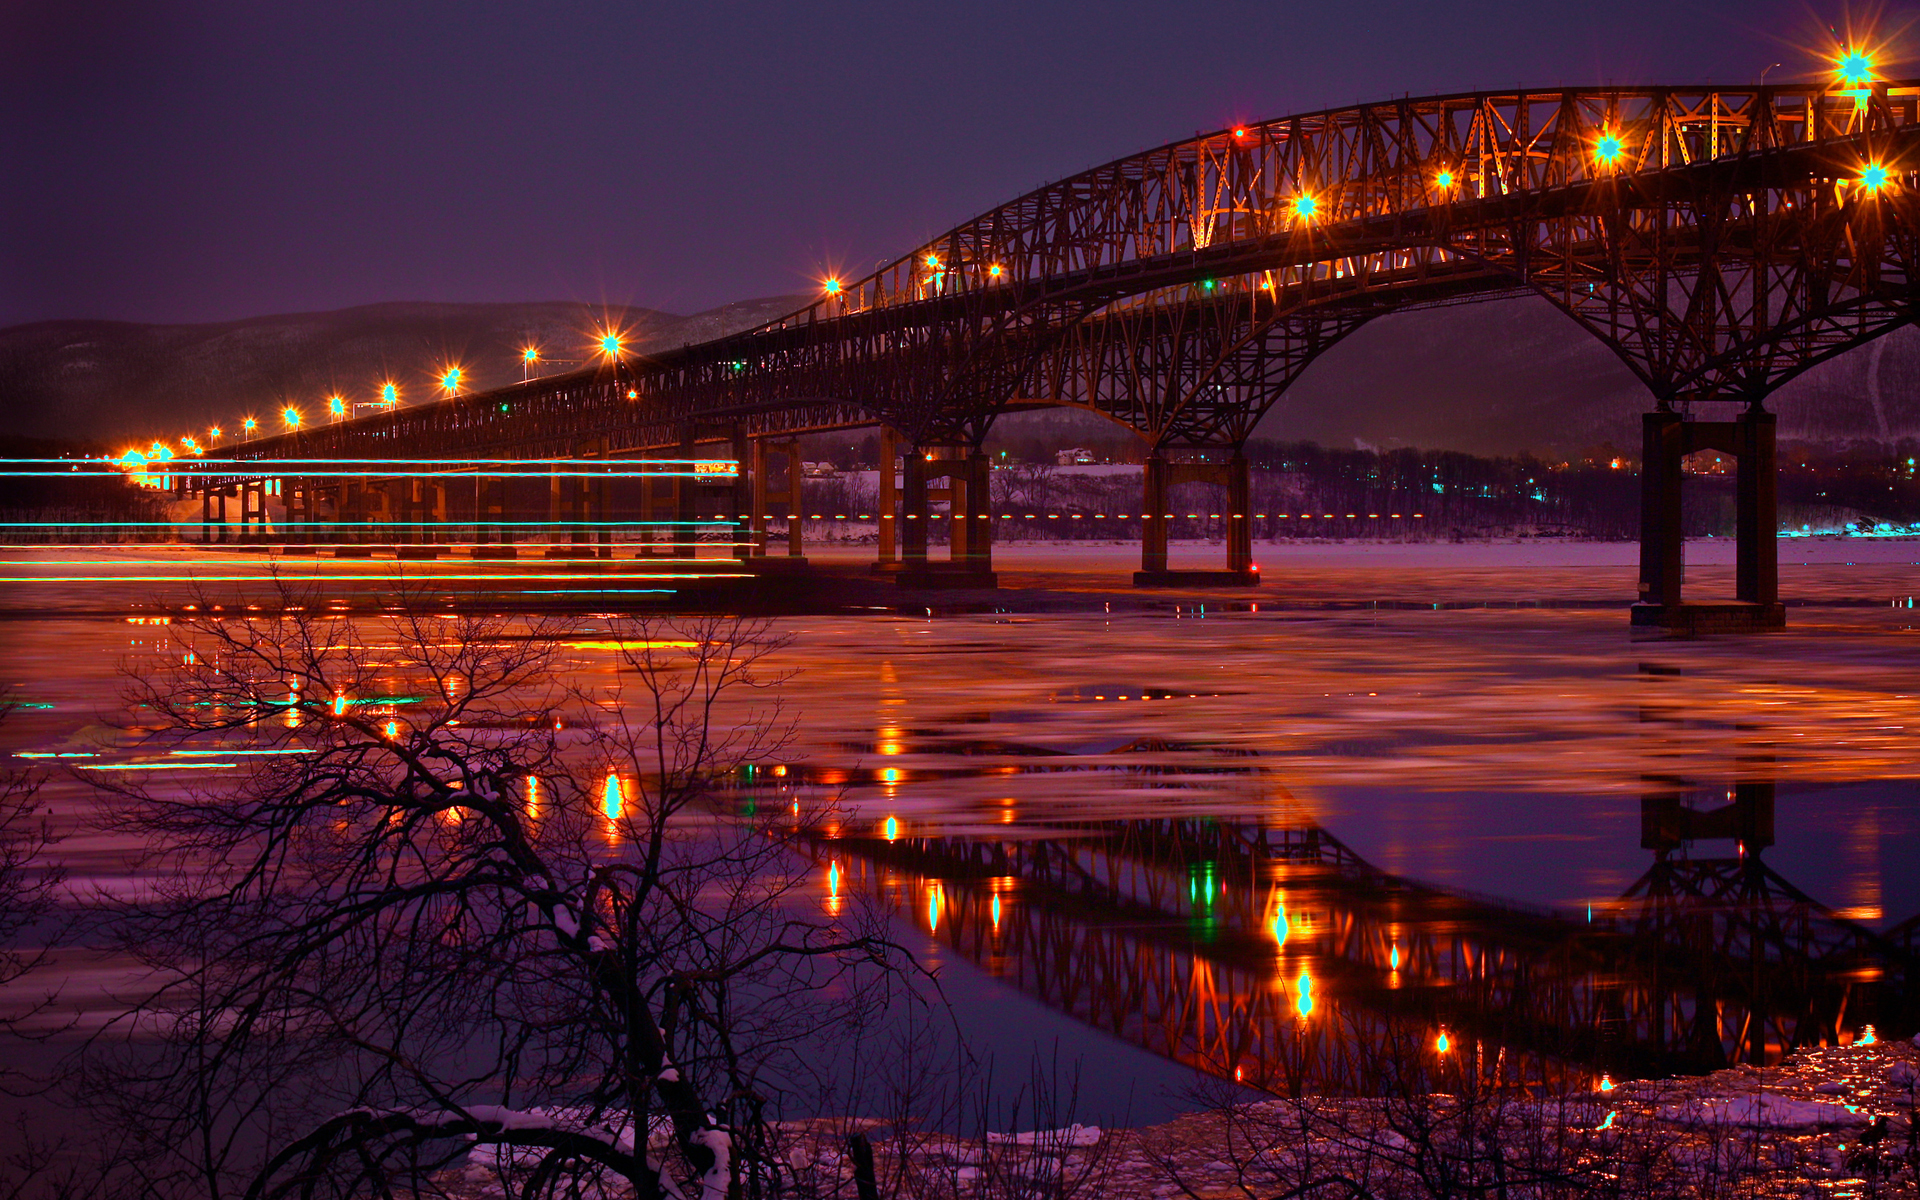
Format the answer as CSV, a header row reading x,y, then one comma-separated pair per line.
x,y
1192,938
1719,240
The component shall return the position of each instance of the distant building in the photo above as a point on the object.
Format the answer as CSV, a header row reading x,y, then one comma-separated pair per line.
x,y
1078,456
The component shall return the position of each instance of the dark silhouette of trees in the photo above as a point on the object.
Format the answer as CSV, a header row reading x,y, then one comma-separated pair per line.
x,y
451,904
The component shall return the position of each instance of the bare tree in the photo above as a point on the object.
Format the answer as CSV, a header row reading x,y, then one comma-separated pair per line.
x,y
450,903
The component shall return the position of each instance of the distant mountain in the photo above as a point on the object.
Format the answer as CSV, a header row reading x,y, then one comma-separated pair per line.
x,y
1493,378
118,381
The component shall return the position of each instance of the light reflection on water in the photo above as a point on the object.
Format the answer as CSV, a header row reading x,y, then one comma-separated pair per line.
x,y
1472,785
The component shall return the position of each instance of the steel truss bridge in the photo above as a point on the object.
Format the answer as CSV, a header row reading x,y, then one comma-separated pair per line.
x,y
1719,240
1198,939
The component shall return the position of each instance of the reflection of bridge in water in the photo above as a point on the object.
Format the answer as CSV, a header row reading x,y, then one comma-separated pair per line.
x,y
1272,953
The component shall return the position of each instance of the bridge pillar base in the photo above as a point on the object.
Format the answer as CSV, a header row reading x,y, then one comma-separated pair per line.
x,y
945,576
495,551
421,553
779,564
353,551
1166,578
1693,620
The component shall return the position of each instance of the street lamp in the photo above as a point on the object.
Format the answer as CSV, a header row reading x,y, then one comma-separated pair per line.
x,y
248,428
528,358
291,416
450,381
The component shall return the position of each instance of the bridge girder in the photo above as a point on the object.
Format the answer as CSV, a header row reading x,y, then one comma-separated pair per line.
x,y
1718,252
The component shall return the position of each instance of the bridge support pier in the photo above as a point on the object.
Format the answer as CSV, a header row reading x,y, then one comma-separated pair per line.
x,y
969,534
886,517
213,515
490,501
298,495
760,462
1666,439
422,509
1162,475
253,513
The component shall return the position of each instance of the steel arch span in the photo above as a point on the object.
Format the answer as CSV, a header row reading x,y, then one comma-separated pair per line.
x,y
1718,240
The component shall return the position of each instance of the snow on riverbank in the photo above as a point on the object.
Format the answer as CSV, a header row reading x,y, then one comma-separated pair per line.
x,y
1823,1122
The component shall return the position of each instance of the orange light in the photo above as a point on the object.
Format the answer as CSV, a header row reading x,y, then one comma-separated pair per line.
x,y
1240,131
995,270
833,287
1443,1043
611,344
291,416
1444,179
1608,148
933,260
450,380
1303,1004
530,355
610,797
1304,206
1873,177
336,405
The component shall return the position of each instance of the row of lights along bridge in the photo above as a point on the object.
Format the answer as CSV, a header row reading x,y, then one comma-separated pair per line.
x,y
1854,68
450,380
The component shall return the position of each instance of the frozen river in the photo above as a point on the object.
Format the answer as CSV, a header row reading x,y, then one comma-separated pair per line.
x,y
1458,773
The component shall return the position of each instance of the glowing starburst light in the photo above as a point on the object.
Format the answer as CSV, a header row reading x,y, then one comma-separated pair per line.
x,y
530,355
336,405
1443,1043
996,270
1608,148
1874,176
291,416
610,344
1444,179
1304,207
933,260
251,425
833,287
215,432
389,394
450,381
610,797
1855,68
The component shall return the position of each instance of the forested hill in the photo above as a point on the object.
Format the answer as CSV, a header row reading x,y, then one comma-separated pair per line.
x,y
118,380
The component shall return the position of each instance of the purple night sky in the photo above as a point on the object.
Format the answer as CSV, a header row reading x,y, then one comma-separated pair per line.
x,y
199,160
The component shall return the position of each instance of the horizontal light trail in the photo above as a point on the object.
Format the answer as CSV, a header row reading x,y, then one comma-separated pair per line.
x,y
235,753
196,522
165,467
159,766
